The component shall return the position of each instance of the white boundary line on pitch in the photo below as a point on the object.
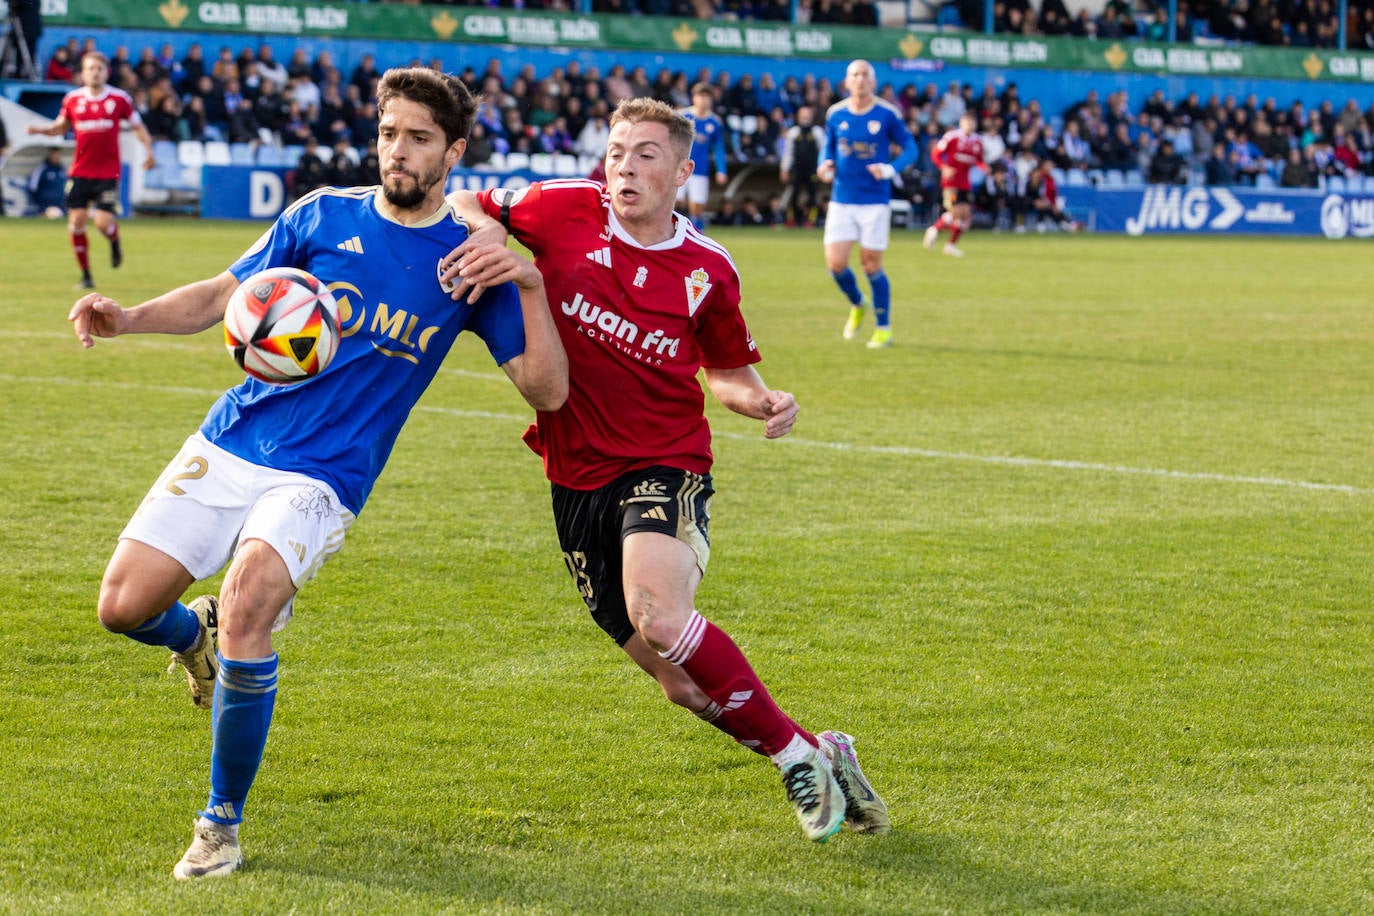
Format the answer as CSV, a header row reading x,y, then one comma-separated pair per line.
x,y
799,442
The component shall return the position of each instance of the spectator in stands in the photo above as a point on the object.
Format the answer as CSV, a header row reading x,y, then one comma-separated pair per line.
x,y
727,214
751,214
271,109
591,140
122,70
296,130
59,68
4,150
311,172
617,85
1249,162
47,183
1345,153
269,68
952,106
363,127
341,171
742,99
243,123
554,137
1074,149
1297,171
480,147
369,165
1220,168
192,68
1043,192
365,76
164,120
1113,148
999,198
1166,165
334,116
193,116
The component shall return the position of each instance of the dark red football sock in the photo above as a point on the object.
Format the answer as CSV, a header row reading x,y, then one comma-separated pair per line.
x,y
80,247
746,711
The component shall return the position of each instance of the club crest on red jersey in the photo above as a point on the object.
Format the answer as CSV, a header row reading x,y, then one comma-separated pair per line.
x,y
698,285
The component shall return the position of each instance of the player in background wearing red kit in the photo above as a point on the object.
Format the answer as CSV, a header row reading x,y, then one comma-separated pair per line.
x,y
644,301
95,112
957,153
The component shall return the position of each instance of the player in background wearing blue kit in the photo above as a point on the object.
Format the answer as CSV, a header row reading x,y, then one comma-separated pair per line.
x,y
861,132
708,153
275,475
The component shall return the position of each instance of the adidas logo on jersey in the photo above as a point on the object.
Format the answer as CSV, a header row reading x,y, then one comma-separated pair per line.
x,y
601,256
354,245
655,513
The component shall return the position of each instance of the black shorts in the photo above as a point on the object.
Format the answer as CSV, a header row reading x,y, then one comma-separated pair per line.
x,y
953,196
103,192
592,524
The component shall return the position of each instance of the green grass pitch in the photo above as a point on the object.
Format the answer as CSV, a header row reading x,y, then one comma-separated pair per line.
x,y
1083,561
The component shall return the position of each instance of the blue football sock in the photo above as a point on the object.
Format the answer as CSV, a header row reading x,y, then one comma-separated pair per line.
x,y
848,285
176,628
882,298
246,693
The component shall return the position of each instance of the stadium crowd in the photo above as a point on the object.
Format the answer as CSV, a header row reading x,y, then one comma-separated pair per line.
x,y
251,97
1278,23
1284,23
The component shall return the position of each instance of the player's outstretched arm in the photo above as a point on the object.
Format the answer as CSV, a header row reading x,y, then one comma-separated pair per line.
x,y
187,309
743,391
55,129
541,372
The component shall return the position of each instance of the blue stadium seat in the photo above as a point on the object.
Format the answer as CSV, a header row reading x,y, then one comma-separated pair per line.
x,y
241,154
1335,183
191,152
1264,182
1115,178
948,17
217,153
1134,179
1076,178
271,155
164,151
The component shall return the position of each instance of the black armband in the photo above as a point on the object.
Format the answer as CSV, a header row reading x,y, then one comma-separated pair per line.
x,y
505,213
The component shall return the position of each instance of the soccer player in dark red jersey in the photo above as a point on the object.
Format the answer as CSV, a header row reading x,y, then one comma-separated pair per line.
x,y
95,112
957,153
643,301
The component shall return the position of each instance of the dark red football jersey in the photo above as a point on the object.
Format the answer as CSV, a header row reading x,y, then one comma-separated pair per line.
x,y
96,120
960,152
637,323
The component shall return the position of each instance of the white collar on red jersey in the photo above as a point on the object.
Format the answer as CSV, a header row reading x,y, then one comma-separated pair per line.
x,y
680,224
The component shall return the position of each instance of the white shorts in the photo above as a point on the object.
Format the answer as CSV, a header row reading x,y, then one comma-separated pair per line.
x,y
696,190
867,224
208,501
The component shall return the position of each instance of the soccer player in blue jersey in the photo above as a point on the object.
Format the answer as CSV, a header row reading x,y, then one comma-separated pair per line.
x,y
275,475
861,133
708,153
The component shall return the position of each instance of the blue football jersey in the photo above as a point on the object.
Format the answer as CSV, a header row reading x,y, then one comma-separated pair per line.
x,y
397,325
708,144
856,141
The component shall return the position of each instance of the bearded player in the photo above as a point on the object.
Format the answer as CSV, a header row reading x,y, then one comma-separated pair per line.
x,y
95,112
644,302
273,479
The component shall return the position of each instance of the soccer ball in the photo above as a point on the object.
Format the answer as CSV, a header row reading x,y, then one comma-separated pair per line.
x,y
282,326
